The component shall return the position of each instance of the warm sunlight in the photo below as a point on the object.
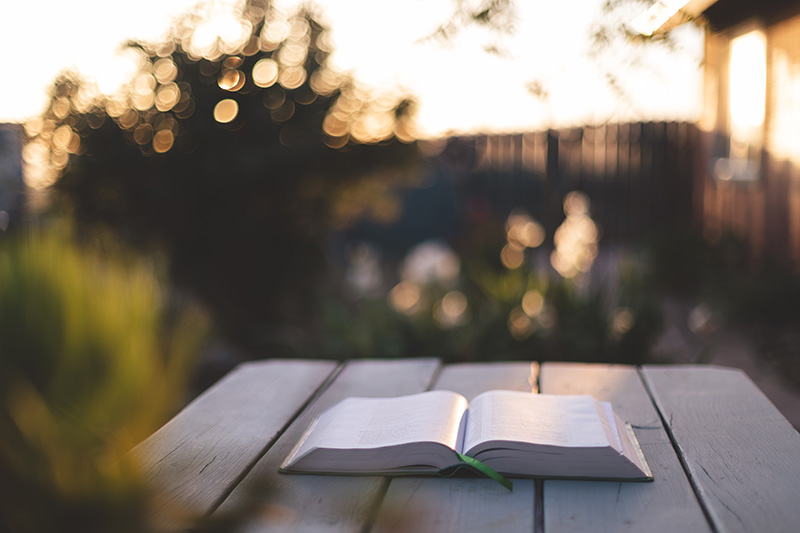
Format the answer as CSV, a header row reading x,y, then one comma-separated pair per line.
x,y
748,81
460,86
747,102
785,134
657,15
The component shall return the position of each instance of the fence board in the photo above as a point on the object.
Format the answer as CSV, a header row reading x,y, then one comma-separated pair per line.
x,y
638,176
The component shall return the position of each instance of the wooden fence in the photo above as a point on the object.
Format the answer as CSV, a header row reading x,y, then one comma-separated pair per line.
x,y
639,177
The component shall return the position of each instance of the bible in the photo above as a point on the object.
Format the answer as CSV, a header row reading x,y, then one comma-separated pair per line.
x,y
517,434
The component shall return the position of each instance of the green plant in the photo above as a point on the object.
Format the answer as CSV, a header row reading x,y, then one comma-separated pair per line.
x,y
94,359
235,160
488,312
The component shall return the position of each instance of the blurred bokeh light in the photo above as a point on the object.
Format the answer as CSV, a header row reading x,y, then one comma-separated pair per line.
x,y
576,238
430,262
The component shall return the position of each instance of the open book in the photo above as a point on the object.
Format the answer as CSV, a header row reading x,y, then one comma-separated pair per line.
x,y
518,434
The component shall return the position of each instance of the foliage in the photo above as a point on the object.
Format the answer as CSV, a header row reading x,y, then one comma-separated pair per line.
x,y
94,359
573,326
623,53
237,158
732,288
726,275
496,16
465,304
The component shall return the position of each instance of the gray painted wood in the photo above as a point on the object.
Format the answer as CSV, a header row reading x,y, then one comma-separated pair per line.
x,y
743,455
464,504
284,502
471,379
667,503
200,454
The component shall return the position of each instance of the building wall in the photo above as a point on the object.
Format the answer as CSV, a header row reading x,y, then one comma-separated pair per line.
x,y
766,211
783,135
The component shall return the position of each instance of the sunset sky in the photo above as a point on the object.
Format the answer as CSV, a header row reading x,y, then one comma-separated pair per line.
x,y
460,86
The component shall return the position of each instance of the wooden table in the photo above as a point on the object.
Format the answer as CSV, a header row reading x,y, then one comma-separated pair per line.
x,y
723,457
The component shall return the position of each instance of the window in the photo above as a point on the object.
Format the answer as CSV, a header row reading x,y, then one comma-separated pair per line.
x,y
747,93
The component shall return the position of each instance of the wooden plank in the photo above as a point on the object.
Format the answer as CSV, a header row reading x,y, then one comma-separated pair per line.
x,y
471,379
540,153
464,504
668,503
195,459
533,153
641,168
742,454
698,172
618,163
278,502
613,195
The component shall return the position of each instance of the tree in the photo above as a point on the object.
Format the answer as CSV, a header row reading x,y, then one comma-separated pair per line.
x,y
236,157
496,16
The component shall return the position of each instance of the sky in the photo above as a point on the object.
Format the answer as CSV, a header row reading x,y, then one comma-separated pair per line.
x,y
460,87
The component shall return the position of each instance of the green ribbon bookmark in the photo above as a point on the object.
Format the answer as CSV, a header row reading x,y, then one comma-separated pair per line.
x,y
485,470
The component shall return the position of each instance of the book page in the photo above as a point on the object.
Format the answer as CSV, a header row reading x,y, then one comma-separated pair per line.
x,y
610,425
570,421
363,423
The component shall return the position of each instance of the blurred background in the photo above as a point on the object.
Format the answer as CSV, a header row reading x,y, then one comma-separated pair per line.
x,y
187,186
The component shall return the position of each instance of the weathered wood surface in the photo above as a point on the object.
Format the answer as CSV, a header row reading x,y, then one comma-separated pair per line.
x,y
743,455
223,451
668,503
325,503
471,379
197,457
464,504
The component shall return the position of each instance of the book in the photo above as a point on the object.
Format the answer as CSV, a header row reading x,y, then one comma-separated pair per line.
x,y
517,434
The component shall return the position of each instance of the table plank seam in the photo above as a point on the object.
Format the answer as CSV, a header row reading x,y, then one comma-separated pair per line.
x,y
538,491
679,453
380,496
257,457
435,375
538,501
722,455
